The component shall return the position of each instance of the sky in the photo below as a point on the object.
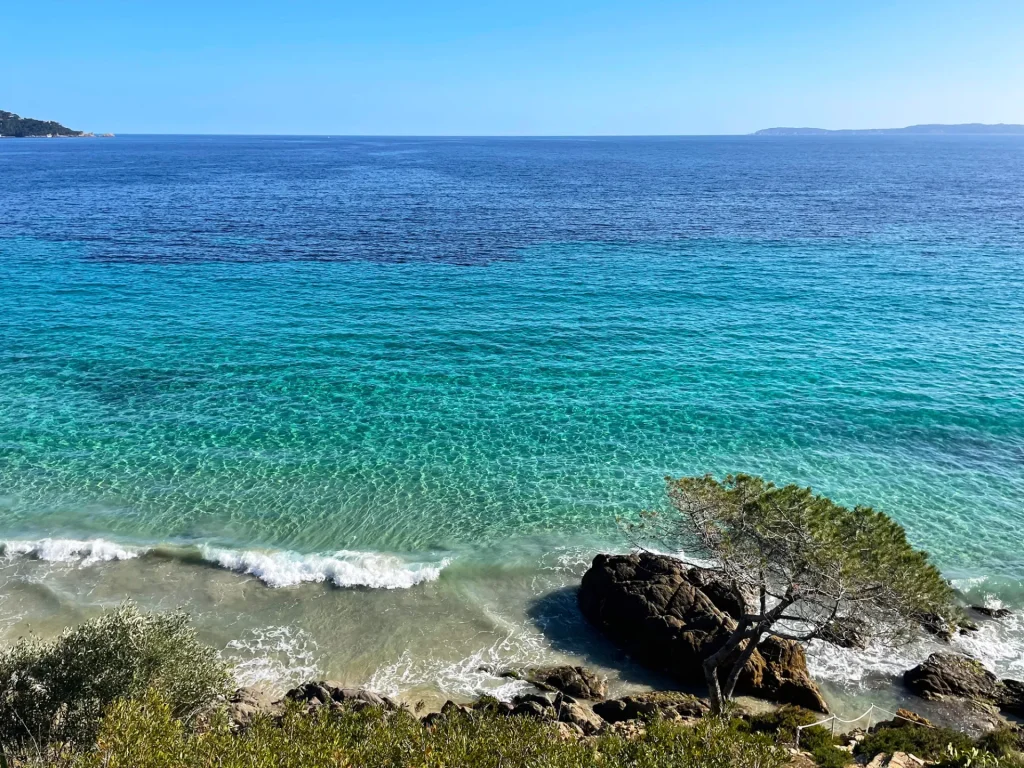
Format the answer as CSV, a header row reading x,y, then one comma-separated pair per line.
x,y
399,67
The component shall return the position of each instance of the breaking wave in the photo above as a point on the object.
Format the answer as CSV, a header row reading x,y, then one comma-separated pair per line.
x,y
275,568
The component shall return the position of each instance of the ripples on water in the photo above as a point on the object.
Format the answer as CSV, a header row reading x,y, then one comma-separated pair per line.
x,y
485,349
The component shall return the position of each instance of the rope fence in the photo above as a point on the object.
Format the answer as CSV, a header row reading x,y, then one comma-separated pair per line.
x,y
834,719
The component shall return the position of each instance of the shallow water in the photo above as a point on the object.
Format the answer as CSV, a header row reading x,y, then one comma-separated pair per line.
x,y
432,374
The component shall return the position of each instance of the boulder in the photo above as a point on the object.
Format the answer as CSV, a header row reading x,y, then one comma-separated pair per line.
x,y
576,714
319,693
666,704
578,682
944,675
991,613
671,617
245,704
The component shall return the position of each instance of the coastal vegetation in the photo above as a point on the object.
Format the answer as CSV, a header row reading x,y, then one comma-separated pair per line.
x,y
805,568
133,689
25,127
136,689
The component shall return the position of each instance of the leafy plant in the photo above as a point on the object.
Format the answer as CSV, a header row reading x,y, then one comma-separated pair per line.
x,y
56,692
926,743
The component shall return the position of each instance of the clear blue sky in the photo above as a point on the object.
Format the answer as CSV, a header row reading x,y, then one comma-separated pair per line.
x,y
526,67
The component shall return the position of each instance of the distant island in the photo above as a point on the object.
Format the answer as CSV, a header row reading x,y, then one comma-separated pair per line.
x,y
933,129
12,125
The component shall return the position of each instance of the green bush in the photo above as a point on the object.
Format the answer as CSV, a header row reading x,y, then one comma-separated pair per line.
x,y
926,743
1002,742
143,733
56,692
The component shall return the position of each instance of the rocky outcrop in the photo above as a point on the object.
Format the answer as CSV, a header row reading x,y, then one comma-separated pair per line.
x,y
332,694
665,704
578,682
945,675
670,617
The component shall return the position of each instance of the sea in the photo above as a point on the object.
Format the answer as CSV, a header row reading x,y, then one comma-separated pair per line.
x,y
366,408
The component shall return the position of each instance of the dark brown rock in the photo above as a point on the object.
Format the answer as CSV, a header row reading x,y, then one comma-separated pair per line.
x,y
945,675
578,682
992,613
319,693
660,611
666,704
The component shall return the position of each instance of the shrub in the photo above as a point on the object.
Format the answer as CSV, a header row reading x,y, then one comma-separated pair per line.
x,y
926,743
783,722
1002,742
143,733
56,692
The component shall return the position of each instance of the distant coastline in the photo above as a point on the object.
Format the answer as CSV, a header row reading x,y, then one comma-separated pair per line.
x,y
931,129
17,127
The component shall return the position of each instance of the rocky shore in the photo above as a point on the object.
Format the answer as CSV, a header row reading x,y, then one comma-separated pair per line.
x,y
669,616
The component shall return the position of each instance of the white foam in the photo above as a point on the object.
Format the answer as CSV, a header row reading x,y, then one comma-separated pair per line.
x,y
274,658
343,568
466,677
82,552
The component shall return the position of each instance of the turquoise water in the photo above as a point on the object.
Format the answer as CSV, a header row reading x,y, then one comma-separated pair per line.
x,y
414,408
290,379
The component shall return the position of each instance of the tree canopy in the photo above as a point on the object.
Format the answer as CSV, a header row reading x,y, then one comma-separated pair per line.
x,y
806,563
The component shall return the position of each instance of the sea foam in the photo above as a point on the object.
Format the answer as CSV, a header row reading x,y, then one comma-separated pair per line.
x,y
81,552
343,568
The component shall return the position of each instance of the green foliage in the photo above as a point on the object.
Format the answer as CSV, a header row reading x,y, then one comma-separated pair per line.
x,y
826,559
13,125
783,724
143,733
1002,742
968,758
926,743
56,692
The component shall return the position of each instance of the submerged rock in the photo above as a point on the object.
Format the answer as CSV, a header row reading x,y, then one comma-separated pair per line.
x,y
670,617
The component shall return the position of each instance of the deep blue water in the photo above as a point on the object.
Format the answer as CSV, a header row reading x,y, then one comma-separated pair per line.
x,y
486,346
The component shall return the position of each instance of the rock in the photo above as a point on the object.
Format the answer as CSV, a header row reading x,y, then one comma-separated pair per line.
x,y
320,693
947,674
577,682
935,625
992,613
569,731
896,760
1012,697
668,616
904,718
245,704
667,704
534,710
846,633
575,714
944,675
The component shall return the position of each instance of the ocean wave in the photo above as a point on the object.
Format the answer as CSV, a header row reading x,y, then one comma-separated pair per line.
x,y
81,552
275,568
343,568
